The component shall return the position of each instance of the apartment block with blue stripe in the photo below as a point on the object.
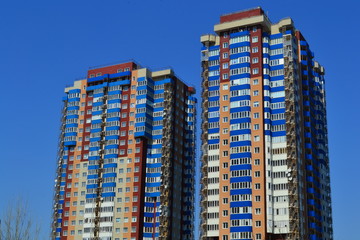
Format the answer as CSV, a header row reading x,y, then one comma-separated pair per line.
x,y
265,165
126,156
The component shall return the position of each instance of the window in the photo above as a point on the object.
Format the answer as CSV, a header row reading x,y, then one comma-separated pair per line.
x,y
257,161
257,186
255,60
225,97
256,93
256,149
225,200
255,49
225,142
244,59
255,71
276,62
257,211
255,81
225,153
256,126
240,49
225,45
236,71
257,198
225,65
213,63
225,108
225,87
256,104
256,138
256,115
258,236
278,72
276,41
225,225
213,52
225,119
258,223
214,114
225,55
225,130
225,76
255,39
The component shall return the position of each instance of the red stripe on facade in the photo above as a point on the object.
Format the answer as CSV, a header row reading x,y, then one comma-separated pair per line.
x,y
111,69
141,189
241,15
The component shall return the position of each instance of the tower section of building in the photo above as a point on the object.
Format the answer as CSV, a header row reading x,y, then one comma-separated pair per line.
x,y
265,166
126,156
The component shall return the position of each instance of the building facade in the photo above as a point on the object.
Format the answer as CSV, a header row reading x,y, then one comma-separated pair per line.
x,y
126,156
265,165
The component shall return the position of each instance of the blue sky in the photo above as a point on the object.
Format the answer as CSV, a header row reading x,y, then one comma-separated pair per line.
x,y
45,45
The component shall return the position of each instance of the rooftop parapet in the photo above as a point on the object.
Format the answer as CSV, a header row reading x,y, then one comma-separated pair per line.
x,y
236,22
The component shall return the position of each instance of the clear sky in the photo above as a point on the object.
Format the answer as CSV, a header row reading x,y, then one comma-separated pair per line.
x,y
45,45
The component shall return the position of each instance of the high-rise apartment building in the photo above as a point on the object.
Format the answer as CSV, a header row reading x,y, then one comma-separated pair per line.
x,y
126,156
265,165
